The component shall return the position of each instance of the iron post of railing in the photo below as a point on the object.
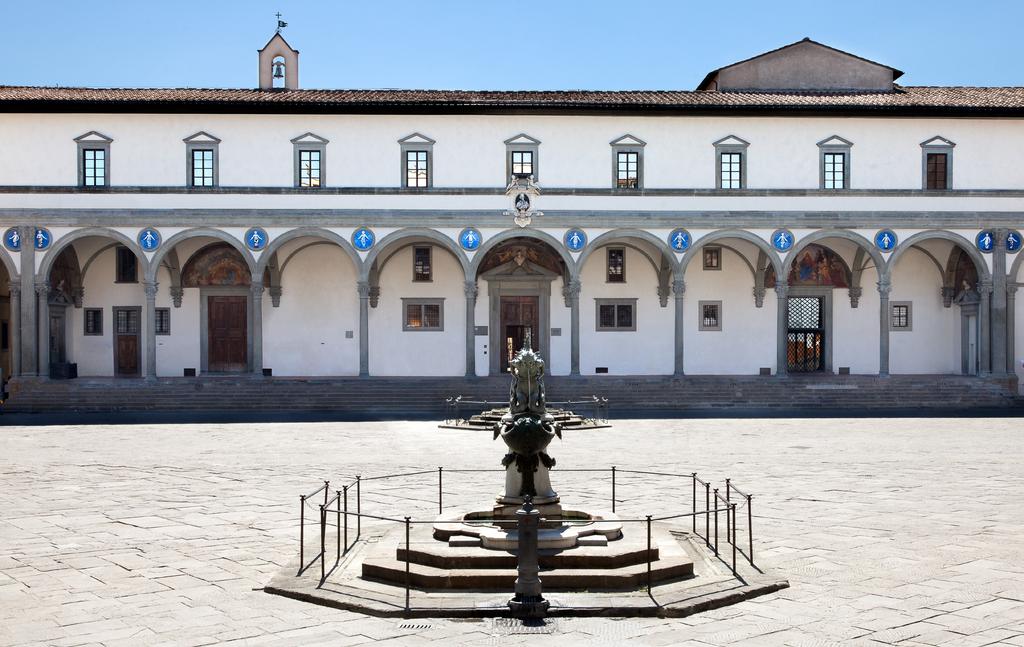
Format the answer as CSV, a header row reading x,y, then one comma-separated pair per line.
x,y
302,532
337,526
693,508
359,507
750,531
648,554
727,488
344,494
707,514
613,488
733,538
323,541
407,563
716,521
728,518
440,492
327,490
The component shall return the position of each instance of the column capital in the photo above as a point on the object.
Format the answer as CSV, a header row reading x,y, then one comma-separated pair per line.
x,y
1011,289
15,288
256,289
572,289
884,288
150,288
985,286
782,290
678,288
42,288
363,288
855,294
470,289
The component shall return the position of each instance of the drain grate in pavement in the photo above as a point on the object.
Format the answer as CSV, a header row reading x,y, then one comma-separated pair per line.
x,y
415,625
513,626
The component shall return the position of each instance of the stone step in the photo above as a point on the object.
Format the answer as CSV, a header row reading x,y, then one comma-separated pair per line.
x,y
441,556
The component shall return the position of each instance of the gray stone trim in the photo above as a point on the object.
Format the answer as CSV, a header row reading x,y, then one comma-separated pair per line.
x,y
614,302
820,236
150,290
700,316
50,255
623,235
8,263
522,143
309,142
201,140
28,306
731,144
438,301
499,285
416,142
204,321
198,232
493,241
725,234
826,310
834,144
781,328
306,232
628,144
363,290
956,239
396,240
470,290
89,141
937,144
884,327
910,316
678,292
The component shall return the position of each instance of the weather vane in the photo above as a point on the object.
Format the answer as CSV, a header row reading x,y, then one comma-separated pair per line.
x,y
280,23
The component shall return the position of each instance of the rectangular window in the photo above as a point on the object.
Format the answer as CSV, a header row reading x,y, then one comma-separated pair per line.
x,y
202,167
127,322
422,269
423,314
835,170
309,168
94,167
712,258
627,171
93,321
710,315
616,265
901,318
522,163
417,174
127,266
616,314
163,321
936,171
732,170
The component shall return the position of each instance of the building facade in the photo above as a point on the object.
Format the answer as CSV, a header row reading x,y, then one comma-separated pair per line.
x,y
797,212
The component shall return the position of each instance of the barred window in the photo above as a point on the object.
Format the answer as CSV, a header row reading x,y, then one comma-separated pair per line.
x,y
309,168
710,315
901,318
163,321
423,314
732,170
422,269
93,321
416,169
616,314
616,265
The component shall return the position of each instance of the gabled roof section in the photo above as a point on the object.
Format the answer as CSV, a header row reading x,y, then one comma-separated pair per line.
x,y
835,140
522,138
628,140
201,136
93,136
803,65
277,36
731,140
938,141
416,138
310,138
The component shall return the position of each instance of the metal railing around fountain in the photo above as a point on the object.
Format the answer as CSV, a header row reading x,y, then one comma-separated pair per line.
x,y
716,501
453,407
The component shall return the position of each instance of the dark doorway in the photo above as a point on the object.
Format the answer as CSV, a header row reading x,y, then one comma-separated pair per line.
x,y
519,316
126,341
805,339
227,334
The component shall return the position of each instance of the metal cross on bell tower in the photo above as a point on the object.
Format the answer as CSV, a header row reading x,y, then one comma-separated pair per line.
x,y
280,23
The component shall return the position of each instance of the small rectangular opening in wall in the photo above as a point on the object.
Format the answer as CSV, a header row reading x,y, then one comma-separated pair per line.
x,y
480,331
556,332
267,372
601,369
764,370
844,370
349,334
190,372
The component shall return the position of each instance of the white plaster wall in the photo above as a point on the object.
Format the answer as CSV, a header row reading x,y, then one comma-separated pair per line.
x,y
932,345
855,330
646,351
747,340
575,152
180,349
1018,342
561,317
319,303
396,352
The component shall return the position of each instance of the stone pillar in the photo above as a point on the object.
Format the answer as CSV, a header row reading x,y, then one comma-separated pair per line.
x,y
884,288
572,295
985,326
43,344
363,288
1011,328
150,287
15,318
998,315
256,289
782,330
471,292
29,358
678,291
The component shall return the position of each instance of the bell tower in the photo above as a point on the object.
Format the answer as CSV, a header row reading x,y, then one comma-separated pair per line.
x,y
279,64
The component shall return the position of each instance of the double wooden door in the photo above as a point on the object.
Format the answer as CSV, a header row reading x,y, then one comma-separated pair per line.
x,y
520,316
227,334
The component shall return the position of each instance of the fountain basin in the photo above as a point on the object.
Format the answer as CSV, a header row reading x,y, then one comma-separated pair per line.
x,y
569,529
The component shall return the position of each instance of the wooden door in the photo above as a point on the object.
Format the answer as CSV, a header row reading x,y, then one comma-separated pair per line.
x,y
227,334
126,342
520,317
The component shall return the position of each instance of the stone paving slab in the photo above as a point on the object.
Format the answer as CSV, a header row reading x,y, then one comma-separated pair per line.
x,y
891,531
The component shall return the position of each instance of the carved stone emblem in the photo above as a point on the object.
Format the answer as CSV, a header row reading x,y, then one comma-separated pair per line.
x,y
522,190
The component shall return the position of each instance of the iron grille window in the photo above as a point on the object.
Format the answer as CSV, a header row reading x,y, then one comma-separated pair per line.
x,y
202,167
127,266
901,318
732,170
804,312
805,339
163,321
309,168
712,258
416,170
627,171
422,269
127,322
93,321
613,315
94,167
616,265
710,315
835,170
423,315
522,162
936,171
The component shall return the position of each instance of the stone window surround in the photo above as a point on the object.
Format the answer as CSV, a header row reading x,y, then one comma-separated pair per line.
x,y
168,330
309,142
910,316
417,142
430,263
937,144
93,140
703,258
731,144
834,144
598,302
522,143
85,322
700,316
438,301
201,140
607,273
628,144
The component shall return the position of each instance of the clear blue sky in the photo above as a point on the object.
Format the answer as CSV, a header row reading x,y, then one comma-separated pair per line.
x,y
486,44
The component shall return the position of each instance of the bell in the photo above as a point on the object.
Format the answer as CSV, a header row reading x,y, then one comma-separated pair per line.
x,y
278,70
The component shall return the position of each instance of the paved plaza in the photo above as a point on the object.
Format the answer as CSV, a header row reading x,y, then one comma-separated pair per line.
x,y
906,531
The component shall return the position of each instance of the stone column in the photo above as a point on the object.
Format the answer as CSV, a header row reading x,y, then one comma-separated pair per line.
x,y
470,290
998,315
29,358
43,343
150,288
572,295
678,291
1011,327
985,326
884,288
256,289
363,288
782,330
15,325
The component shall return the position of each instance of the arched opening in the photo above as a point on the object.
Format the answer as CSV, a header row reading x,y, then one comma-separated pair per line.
x,y
519,275
279,72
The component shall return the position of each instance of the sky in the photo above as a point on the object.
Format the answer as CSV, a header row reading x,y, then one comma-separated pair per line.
x,y
487,44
